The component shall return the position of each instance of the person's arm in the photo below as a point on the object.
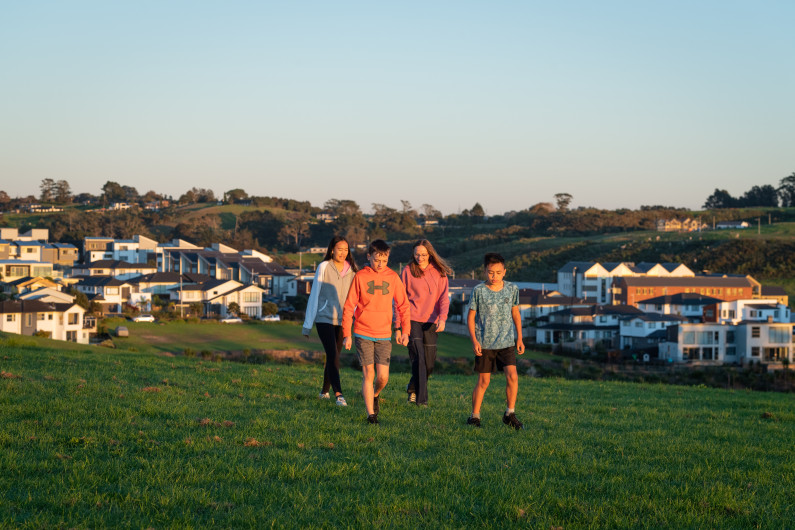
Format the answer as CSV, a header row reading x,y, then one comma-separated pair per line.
x,y
517,322
443,303
347,313
312,303
402,301
472,336
395,312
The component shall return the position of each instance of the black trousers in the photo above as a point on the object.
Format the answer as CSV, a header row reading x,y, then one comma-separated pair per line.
x,y
422,352
331,338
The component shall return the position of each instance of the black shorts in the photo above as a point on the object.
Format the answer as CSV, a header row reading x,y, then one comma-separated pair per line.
x,y
492,361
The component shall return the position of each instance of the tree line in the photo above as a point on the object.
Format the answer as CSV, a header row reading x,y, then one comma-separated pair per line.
x,y
758,196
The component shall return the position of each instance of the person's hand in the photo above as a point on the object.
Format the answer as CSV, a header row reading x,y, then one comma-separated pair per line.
x,y
347,342
476,347
404,340
519,347
398,336
440,327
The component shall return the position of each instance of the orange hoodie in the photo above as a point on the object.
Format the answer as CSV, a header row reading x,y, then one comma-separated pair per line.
x,y
370,303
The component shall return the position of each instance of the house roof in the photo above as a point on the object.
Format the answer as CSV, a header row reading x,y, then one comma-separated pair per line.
x,y
541,298
682,299
25,306
118,264
103,281
773,290
657,317
581,265
686,281
578,327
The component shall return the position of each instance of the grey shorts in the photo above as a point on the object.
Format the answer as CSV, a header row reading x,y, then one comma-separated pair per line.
x,y
373,351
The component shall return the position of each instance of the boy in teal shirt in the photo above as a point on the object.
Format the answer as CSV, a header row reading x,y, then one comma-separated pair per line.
x,y
495,328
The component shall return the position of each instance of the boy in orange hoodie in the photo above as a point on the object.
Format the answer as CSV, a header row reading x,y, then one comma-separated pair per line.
x,y
370,301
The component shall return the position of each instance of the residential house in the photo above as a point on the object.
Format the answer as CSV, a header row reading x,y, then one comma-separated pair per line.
x,y
24,285
216,295
585,328
693,306
646,331
634,290
15,269
139,249
47,295
63,254
120,270
111,293
536,304
59,321
743,343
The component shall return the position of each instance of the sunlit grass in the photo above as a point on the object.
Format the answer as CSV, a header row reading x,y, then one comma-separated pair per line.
x,y
130,439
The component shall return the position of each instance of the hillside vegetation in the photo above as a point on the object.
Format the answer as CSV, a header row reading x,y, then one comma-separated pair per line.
x,y
112,439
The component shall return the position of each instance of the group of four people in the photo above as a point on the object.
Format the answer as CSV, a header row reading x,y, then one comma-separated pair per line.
x,y
347,303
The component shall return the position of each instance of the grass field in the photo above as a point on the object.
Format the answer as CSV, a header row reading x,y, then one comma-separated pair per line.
x,y
174,337
108,438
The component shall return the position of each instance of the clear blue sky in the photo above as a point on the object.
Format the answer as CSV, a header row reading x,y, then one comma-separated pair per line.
x,y
620,103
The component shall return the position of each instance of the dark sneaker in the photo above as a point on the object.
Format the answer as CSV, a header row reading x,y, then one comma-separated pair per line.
x,y
376,406
473,421
512,421
372,418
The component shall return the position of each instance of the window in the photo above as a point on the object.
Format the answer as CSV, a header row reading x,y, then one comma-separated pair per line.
x,y
73,318
779,335
731,351
10,318
730,337
707,354
638,324
755,332
251,297
40,316
755,351
689,337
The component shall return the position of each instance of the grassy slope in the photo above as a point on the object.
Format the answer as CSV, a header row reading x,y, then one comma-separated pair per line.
x,y
129,439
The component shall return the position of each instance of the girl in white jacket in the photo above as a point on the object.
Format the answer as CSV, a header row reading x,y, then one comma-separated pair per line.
x,y
324,309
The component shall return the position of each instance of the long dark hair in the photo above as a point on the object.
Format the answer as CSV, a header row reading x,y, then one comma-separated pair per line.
x,y
348,258
433,259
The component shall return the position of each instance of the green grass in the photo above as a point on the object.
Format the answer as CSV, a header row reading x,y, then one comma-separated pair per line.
x,y
174,337
136,440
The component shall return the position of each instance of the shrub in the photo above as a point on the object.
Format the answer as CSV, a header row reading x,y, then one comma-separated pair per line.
x,y
189,352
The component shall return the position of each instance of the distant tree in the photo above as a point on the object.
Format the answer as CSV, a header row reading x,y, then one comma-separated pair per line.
x,y
235,196
47,188
269,308
151,196
342,207
760,196
407,209
720,199
4,198
233,308
62,191
563,200
130,194
112,192
477,211
430,212
189,197
85,198
786,190
294,231
542,208
196,309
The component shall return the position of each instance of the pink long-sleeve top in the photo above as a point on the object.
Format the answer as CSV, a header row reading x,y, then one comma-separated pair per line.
x,y
428,295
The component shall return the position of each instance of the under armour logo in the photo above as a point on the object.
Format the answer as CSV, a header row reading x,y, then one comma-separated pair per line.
x,y
371,287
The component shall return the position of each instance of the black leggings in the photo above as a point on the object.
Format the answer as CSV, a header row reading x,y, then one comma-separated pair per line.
x,y
422,352
331,338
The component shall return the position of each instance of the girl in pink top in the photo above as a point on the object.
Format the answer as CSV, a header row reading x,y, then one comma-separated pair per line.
x,y
425,278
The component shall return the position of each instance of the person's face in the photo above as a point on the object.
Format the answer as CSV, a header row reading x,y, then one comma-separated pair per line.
x,y
495,273
339,252
378,260
421,256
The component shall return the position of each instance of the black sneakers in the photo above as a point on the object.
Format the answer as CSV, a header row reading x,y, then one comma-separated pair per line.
x,y
376,406
512,421
372,418
473,421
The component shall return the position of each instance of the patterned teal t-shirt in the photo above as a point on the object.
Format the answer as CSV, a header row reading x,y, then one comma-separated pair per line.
x,y
494,326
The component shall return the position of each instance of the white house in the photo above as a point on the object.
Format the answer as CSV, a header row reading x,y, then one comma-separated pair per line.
x,y
67,321
743,343
646,330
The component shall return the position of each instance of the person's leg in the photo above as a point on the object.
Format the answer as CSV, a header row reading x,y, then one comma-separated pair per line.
x,y
511,386
334,370
411,388
382,354
418,365
325,333
427,361
368,374
479,392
